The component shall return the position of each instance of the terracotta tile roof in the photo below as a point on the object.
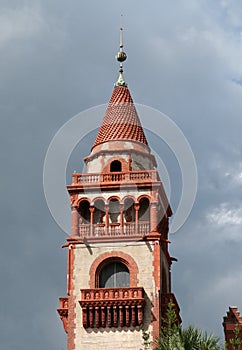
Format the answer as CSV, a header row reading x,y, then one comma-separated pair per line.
x,y
121,121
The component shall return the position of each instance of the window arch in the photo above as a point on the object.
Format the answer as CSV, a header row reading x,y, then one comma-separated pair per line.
x,y
99,212
116,166
114,275
114,210
129,211
144,210
113,256
84,212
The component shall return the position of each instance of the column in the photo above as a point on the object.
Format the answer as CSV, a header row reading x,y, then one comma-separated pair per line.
x,y
153,217
84,317
127,315
133,315
97,316
92,209
106,219
136,207
121,219
103,316
140,315
115,316
109,316
121,316
91,318
75,222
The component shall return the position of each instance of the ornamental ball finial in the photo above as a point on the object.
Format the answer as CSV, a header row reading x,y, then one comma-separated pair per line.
x,y
121,56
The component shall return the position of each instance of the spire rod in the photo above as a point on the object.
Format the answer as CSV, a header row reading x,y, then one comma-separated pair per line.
x,y
121,33
121,57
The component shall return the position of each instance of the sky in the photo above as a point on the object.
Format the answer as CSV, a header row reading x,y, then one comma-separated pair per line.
x,y
57,59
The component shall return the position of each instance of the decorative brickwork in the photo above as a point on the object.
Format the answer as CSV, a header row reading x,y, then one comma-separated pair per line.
x,y
112,307
232,321
63,312
118,248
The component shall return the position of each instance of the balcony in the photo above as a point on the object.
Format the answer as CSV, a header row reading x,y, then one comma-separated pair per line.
x,y
128,230
63,311
112,307
145,176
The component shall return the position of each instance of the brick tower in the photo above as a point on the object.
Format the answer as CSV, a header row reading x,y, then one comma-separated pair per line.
x,y
118,259
232,324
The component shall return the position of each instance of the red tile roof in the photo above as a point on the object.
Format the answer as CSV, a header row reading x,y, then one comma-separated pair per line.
x,y
121,121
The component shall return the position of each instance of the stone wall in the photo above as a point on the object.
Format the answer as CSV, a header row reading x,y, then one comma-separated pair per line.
x,y
113,338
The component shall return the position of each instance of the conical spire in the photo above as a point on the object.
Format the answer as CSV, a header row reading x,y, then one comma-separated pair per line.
x,y
121,121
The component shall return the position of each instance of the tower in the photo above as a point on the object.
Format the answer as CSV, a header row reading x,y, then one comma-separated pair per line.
x,y
232,324
118,258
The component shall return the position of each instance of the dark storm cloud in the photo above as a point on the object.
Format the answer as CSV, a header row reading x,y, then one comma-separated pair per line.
x,y
58,59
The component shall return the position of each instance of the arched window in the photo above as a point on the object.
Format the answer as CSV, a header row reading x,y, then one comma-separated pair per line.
x,y
84,212
99,213
115,166
129,211
144,210
114,275
114,210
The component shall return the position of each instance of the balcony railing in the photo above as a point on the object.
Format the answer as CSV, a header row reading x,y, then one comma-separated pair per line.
x,y
114,230
112,307
115,177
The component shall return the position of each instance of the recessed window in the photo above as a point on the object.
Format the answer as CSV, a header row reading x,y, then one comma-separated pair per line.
x,y
114,211
84,212
129,211
144,211
114,275
116,166
99,212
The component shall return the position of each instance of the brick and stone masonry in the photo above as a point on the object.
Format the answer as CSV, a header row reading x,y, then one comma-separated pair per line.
x,y
119,265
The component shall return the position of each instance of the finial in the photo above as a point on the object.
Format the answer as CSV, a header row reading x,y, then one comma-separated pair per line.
x,y
121,57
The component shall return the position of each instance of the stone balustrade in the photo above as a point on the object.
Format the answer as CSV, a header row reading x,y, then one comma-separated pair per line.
x,y
116,177
114,229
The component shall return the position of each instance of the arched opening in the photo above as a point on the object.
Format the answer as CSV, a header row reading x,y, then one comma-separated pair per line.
x,y
144,216
144,210
110,257
99,218
116,166
129,216
129,211
84,212
99,212
114,211
114,275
